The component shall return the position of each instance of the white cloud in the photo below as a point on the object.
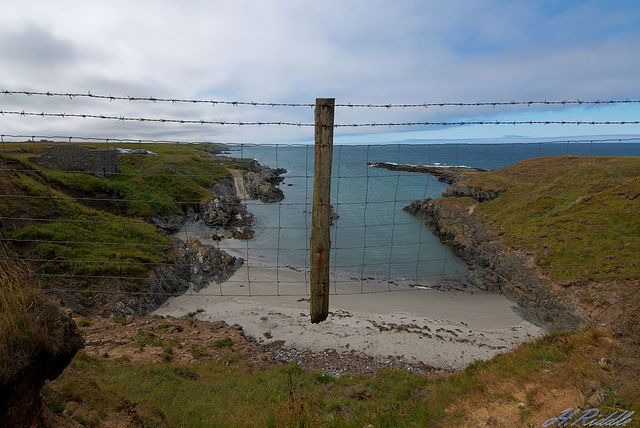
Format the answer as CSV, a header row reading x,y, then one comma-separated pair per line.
x,y
290,51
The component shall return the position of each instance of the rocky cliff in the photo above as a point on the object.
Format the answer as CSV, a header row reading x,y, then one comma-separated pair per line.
x,y
196,268
224,205
492,265
261,183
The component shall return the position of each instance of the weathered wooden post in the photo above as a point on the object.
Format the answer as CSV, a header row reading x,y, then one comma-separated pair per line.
x,y
320,241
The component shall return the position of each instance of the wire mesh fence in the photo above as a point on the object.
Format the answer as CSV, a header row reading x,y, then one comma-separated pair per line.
x,y
154,218
176,218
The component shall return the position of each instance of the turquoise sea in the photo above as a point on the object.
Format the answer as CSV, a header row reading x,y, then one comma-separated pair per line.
x,y
373,237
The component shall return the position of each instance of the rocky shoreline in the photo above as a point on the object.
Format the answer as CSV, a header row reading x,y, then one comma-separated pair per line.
x,y
493,266
197,265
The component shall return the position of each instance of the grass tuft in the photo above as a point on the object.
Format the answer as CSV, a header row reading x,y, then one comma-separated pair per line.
x,y
24,314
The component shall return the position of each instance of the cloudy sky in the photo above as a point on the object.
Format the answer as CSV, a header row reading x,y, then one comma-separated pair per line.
x,y
294,51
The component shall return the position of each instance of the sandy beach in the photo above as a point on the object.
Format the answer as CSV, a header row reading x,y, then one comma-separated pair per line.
x,y
445,329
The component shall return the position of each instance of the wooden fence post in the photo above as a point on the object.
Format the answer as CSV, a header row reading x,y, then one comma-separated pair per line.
x,y
320,241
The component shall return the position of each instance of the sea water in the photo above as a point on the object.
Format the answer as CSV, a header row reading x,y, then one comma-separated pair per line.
x,y
373,237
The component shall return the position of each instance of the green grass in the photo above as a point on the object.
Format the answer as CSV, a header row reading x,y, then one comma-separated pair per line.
x,y
579,214
237,395
25,317
171,182
222,343
85,241
178,175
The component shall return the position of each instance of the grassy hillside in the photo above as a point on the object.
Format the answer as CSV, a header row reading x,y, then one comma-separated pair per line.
x,y
579,214
69,222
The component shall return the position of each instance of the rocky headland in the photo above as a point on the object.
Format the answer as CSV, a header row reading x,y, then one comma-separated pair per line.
x,y
453,175
493,266
446,174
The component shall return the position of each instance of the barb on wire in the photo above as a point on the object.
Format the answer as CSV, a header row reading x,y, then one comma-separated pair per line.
x,y
350,105
346,125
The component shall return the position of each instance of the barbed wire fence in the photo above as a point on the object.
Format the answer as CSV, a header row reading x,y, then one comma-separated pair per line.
x,y
99,234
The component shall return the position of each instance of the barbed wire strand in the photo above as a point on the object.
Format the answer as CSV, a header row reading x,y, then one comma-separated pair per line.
x,y
212,102
303,124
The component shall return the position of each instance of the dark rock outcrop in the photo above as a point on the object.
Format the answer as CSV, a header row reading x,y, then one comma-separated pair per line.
x,y
461,190
261,183
171,223
20,382
493,266
196,267
207,263
220,210
223,213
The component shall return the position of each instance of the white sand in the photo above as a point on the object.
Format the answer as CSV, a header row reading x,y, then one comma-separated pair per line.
x,y
447,329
